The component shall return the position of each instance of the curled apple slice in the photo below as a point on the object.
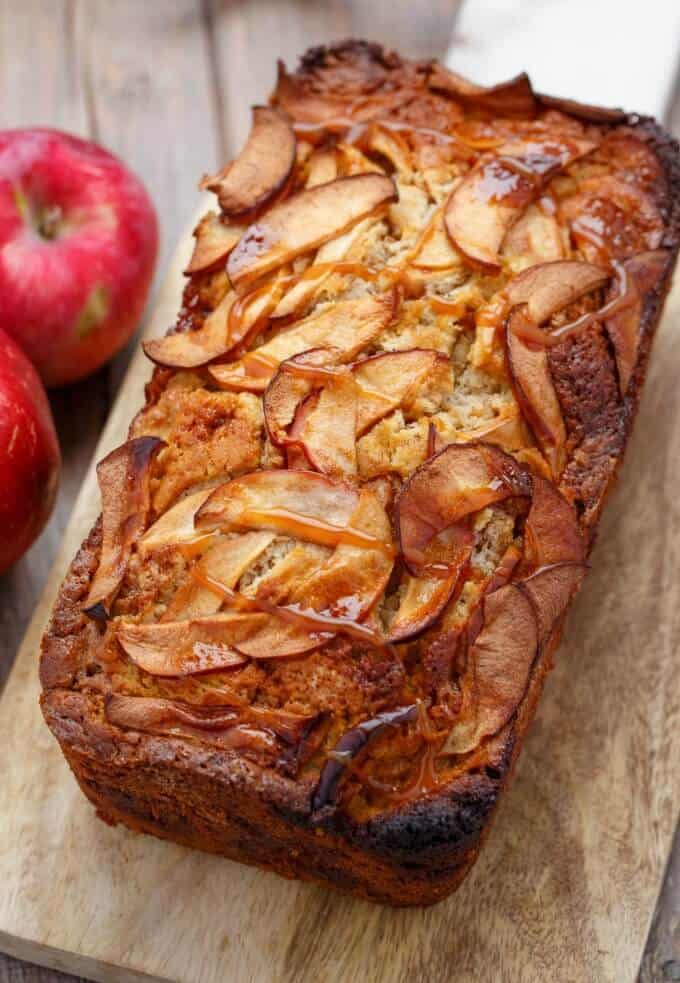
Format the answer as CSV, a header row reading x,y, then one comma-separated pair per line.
x,y
550,589
305,221
348,325
498,669
325,426
352,580
552,534
350,745
322,167
536,237
123,477
182,648
424,598
644,273
192,349
512,98
279,500
436,251
448,487
493,195
176,526
261,170
535,392
391,379
214,241
210,724
549,287
292,383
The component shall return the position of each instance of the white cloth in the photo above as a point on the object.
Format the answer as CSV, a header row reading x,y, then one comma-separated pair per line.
x,y
621,53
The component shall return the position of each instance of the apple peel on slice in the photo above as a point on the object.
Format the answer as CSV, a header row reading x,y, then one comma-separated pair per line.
x,y
457,481
424,598
348,325
124,478
533,386
261,170
644,273
550,287
211,724
215,239
499,666
494,194
305,221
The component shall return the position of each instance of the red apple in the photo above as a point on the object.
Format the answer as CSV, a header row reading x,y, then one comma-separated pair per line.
x,y
78,242
29,454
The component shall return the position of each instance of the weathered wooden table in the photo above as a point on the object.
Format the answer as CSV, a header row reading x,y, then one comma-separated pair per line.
x,y
167,84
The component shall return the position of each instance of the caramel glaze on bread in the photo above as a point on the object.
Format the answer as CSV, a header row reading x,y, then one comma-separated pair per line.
x,y
311,627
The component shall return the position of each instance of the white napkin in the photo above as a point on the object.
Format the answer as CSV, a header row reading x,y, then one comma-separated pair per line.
x,y
620,53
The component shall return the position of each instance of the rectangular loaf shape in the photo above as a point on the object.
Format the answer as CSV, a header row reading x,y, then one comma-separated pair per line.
x,y
310,629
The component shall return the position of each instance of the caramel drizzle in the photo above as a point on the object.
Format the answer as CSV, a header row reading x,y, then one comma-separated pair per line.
x,y
318,531
316,623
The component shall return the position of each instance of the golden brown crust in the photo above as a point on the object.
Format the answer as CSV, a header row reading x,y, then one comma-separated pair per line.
x,y
417,850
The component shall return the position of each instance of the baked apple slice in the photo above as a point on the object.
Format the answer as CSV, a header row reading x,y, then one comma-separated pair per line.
x,y
494,194
293,381
498,669
549,287
124,478
536,237
424,598
349,326
391,379
533,386
191,349
183,648
644,273
210,724
447,488
215,239
512,98
176,526
261,170
436,251
305,221
325,425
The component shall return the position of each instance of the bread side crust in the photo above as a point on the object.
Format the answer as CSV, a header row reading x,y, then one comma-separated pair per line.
x,y
222,803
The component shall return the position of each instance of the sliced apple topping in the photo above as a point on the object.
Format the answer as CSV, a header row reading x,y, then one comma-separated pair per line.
x,y
223,726
550,287
325,426
176,526
124,478
262,169
553,561
435,250
512,98
644,273
536,237
305,221
182,648
392,379
494,194
498,669
301,504
347,325
215,239
191,349
322,167
449,487
424,598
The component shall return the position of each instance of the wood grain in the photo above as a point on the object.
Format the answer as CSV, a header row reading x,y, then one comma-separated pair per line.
x,y
122,71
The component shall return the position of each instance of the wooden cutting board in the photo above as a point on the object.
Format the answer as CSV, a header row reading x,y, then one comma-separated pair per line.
x,y
565,888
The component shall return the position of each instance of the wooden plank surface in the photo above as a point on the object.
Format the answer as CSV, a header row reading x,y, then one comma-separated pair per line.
x,y
167,85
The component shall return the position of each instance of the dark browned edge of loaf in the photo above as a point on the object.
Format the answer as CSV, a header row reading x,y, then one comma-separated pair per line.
x,y
223,803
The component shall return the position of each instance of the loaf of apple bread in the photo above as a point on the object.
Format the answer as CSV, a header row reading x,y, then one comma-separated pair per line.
x,y
311,626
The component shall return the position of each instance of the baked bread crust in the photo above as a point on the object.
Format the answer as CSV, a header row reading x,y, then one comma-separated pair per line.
x,y
417,850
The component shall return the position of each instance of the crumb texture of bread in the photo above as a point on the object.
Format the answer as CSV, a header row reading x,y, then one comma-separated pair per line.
x,y
410,350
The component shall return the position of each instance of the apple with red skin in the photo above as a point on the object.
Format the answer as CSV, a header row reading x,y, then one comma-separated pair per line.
x,y
29,454
78,244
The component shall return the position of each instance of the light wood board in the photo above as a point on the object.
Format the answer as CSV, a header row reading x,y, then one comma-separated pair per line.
x,y
566,885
